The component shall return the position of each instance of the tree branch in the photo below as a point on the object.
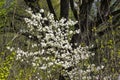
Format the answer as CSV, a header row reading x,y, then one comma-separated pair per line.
x,y
114,5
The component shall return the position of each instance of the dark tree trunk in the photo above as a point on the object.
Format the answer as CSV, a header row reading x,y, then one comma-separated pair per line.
x,y
104,9
85,8
73,9
83,23
51,8
64,8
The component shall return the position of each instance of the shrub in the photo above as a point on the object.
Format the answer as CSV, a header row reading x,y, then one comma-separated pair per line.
x,y
51,54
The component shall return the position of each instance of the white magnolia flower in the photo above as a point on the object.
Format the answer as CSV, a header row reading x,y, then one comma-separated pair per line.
x,y
50,63
43,67
42,10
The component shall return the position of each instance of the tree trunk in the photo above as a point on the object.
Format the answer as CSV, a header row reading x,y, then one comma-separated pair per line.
x,y
64,8
51,8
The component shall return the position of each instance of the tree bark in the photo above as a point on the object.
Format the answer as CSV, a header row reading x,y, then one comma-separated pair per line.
x,y
104,9
73,9
64,8
51,8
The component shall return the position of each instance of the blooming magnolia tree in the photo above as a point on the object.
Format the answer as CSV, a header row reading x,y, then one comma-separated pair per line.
x,y
54,55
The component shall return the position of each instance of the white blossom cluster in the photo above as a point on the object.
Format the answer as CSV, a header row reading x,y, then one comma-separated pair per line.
x,y
55,47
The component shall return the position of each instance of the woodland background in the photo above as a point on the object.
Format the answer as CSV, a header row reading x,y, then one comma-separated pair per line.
x,y
98,20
